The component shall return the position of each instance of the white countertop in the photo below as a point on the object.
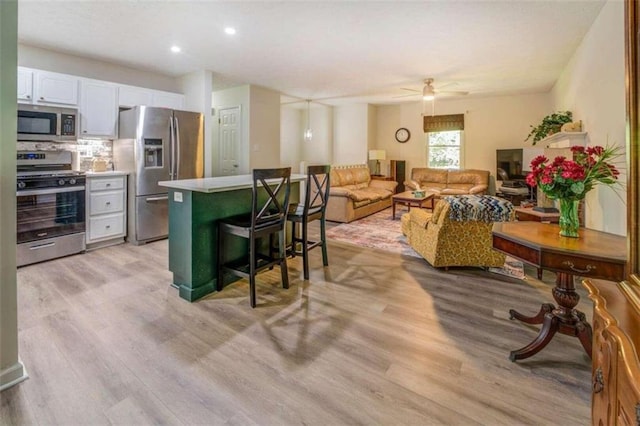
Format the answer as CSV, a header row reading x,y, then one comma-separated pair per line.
x,y
218,184
106,173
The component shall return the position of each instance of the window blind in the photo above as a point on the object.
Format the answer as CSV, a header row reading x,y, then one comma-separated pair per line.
x,y
443,123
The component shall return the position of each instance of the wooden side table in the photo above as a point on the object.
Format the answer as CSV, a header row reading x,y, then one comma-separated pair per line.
x,y
594,254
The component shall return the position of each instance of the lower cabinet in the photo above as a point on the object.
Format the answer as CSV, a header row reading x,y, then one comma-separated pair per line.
x,y
106,209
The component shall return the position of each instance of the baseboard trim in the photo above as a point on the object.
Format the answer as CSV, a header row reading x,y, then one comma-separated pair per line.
x,y
13,375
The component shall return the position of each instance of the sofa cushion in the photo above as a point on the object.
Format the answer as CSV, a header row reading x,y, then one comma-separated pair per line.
x,y
467,178
458,190
434,176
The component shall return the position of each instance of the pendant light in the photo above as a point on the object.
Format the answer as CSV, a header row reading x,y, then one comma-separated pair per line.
x,y
308,134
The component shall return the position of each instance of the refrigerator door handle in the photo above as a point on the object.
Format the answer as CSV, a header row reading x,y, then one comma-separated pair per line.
x,y
172,149
177,144
153,199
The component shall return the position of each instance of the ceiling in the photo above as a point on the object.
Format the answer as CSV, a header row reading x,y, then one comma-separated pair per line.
x,y
334,52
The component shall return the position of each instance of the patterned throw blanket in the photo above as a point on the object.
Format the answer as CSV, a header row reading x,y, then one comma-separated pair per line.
x,y
483,208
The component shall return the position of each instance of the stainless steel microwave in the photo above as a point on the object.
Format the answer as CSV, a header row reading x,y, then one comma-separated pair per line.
x,y
46,123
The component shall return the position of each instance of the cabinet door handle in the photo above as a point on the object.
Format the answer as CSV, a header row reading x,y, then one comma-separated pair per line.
x,y
42,98
598,381
28,96
108,203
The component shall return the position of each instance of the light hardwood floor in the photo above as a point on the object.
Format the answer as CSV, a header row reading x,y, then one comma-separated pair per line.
x,y
375,338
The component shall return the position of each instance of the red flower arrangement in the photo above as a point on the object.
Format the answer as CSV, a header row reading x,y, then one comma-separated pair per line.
x,y
572,179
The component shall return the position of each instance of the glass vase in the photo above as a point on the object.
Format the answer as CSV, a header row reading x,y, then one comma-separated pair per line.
x,y
569,221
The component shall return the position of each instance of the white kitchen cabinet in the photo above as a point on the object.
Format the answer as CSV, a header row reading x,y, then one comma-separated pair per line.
x,y
54,88
25,85
106,209
167,100
130,96
98,108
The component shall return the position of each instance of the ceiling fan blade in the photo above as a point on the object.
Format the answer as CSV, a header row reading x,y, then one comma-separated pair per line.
x,y
405,96
411,90
451,93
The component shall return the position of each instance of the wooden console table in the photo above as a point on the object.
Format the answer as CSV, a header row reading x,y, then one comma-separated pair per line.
x,y
595,255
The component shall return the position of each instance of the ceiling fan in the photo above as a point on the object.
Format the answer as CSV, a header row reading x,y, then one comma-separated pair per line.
x,y
429,92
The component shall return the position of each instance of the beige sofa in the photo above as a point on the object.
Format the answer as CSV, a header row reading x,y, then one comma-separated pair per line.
x,y
449,182
354,195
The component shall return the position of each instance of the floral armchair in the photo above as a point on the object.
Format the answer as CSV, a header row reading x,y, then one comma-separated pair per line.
x,y
458,232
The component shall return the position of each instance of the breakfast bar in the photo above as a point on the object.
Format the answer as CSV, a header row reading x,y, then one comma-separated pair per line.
x,y
195,206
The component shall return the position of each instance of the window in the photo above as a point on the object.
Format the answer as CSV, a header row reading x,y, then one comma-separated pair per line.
x,y
444,149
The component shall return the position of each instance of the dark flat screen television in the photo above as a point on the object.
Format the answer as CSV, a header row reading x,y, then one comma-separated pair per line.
x,y
509,164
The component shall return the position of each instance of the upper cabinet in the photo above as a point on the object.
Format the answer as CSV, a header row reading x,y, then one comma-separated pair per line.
x,y
167,100
96,100
129,96
98,108
54,88
25,85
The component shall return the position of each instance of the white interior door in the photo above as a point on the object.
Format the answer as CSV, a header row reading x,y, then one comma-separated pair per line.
x,y
229,137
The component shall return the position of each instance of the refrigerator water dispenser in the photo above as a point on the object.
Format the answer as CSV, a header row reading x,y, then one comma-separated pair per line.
x,y
153,152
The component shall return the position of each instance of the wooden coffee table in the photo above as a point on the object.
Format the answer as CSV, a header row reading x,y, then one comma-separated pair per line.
x,y
409,200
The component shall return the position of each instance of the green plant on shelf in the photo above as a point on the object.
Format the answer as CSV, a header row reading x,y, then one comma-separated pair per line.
x,y
550,124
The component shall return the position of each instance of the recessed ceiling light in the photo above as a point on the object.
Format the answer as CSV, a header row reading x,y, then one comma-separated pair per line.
x,y
175,49
230,30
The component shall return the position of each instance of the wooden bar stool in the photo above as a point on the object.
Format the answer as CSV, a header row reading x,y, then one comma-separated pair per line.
x,y
268,217
314,207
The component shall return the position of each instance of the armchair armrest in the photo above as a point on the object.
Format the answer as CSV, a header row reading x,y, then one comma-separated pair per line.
x,y
478,189
411,184
339,191
384,184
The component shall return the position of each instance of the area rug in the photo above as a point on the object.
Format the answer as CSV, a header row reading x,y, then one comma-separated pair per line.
x,y
380,231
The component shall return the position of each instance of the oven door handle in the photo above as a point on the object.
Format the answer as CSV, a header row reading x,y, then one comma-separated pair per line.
x,y
41,246
49,191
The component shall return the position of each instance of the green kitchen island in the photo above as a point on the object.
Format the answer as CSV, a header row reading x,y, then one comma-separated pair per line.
x,y
195,206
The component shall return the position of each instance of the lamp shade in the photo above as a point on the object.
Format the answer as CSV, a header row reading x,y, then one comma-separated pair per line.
x,y
377,154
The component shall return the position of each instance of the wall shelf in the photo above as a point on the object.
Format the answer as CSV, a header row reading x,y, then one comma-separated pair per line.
x,y
564,140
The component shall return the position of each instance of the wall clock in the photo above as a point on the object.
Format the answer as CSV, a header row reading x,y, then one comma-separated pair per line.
x,y
403,135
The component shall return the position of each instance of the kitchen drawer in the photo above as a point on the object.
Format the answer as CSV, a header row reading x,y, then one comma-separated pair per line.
x,y
101,184
106,226
106,202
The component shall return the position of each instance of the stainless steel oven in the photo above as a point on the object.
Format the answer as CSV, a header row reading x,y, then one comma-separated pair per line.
x,y
50,207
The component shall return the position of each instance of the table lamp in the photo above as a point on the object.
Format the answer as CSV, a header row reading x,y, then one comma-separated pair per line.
x,y
377,154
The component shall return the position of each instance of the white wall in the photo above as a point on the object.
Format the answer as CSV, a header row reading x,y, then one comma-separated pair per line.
x,y
264,128
291,128
351,134
42,59
320,150
293,148
592,86
490,123
11,369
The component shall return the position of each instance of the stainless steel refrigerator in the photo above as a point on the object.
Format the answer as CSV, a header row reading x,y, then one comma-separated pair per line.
x,y
156,144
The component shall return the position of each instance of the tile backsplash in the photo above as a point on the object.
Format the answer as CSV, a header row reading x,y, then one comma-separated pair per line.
x,y
85,150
